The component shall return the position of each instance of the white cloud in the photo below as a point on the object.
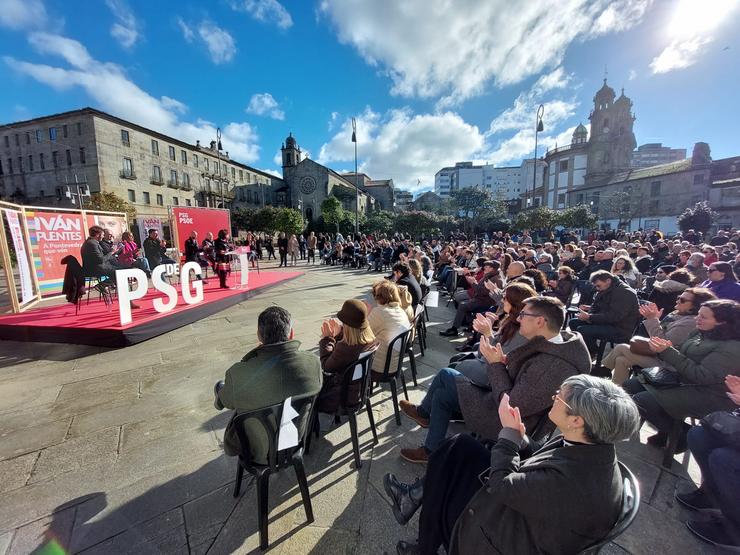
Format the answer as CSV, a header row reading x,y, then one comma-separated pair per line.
x,y
173,105
264,104
110,89
23,14
432,48
268,11
632,75
522,114
404,146
691,28
276,173
220,43
278,158
678,55
187,31
126,29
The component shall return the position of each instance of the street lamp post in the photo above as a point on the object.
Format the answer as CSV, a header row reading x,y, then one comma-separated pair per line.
x,y
538,127
218,155
357,187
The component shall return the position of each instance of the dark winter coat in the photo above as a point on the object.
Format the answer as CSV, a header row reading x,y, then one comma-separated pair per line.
x,y
532,374
336,356
618,307
558,501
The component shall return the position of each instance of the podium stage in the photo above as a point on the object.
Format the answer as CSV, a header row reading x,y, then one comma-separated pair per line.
x,y
96,324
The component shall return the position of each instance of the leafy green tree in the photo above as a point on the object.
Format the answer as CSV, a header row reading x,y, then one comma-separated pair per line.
x,y
333,213
289,220
417,223
700,217
265,219
242,218
541,218
380,222
477,208
579,216
110,202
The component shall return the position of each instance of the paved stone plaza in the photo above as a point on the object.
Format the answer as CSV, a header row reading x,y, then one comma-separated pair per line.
x,y
119,451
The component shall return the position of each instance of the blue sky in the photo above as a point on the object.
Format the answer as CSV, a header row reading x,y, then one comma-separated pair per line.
x,y
430,82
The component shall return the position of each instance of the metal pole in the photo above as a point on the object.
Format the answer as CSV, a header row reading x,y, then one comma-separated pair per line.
x,y
357,177
218,153
537,128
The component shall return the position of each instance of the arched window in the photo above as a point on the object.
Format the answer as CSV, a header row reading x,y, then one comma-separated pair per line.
x,y
605,126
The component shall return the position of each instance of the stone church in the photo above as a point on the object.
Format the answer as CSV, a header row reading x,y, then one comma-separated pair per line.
x,y
306,184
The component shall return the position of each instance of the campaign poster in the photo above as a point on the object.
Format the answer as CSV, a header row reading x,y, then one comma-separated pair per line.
x,y
201,220
115,223
53,235
149,222
24,270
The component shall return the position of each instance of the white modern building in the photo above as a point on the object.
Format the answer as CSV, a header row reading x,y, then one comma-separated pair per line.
x,y
506,183
654,154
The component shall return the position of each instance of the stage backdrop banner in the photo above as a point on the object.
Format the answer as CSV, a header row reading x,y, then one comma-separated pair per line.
x,y
201,220
54,235
24,269
115,223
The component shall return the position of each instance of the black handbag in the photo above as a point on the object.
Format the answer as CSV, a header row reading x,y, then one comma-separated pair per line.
x,y
660,378
724,426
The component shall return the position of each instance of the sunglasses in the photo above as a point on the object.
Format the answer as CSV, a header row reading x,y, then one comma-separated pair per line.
x,y
523,314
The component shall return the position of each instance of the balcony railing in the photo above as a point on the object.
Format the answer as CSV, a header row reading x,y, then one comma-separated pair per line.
x,y
186,187
172,183
127,174
156,180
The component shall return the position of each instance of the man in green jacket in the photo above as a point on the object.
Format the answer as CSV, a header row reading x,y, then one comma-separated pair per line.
x,y
267,375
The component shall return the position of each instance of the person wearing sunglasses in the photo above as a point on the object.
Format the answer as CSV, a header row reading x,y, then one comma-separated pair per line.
x,y
675,327
562,498
722,281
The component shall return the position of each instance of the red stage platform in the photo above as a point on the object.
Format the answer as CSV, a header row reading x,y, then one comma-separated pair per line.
x,y
96,324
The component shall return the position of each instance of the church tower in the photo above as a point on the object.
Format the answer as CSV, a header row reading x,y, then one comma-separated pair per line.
x,y
612,139
291,153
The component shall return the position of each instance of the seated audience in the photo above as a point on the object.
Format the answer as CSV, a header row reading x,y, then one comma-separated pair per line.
x,y
474,366
675,327
267,375
702,362
562,288
722,281
695,265
477,298
402,276
613,314
528,374
561,499
624,267
387,320
718,457
666,291
341,343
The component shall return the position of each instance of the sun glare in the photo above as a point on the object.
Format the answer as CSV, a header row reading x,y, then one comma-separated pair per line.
x,y
695,17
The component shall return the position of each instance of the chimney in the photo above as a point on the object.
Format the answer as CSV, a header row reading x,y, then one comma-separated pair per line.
x,y
197,144
701,154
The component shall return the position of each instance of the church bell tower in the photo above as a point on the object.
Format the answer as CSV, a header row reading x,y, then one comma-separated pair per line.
x,y
612,138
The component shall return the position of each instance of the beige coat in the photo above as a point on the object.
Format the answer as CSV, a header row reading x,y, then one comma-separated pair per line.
x,y
387,321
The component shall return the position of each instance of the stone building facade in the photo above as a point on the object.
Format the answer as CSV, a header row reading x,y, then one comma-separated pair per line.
x,y
382,190
42,157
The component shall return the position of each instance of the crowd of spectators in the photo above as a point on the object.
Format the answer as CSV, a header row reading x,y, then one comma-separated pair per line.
x,y
542,410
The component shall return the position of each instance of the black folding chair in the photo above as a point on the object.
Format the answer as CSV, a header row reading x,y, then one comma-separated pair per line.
x,y
269,418
401,342
358,372
630,507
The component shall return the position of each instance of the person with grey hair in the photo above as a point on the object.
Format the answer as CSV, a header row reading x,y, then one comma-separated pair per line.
x,y
695,265
266,376
500,501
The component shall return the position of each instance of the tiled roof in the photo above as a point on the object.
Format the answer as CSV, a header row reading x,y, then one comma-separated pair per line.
x,y
652,171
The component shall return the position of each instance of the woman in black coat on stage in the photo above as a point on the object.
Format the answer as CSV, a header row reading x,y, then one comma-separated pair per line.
x,y
221,247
